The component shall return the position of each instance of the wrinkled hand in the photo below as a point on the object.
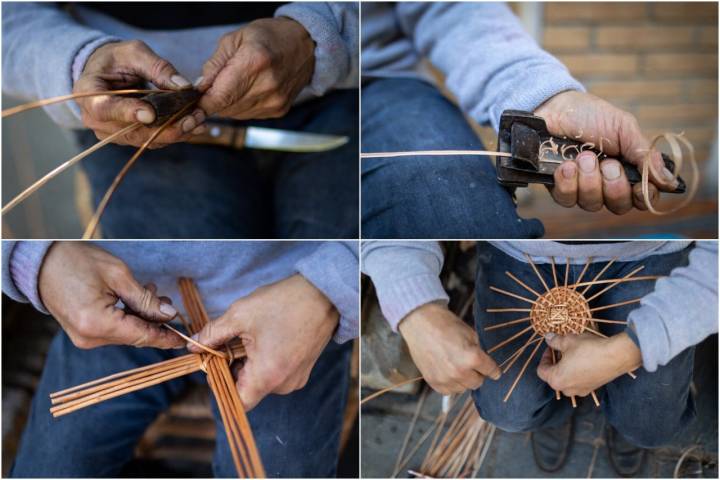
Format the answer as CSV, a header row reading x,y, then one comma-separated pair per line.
x,y
80,285
258,70
588,362
446,350
591,184
130,64
285,326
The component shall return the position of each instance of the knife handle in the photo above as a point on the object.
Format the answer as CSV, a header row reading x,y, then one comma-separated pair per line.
x,y
221,135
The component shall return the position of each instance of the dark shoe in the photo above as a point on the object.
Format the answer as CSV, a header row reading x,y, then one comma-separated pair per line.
x,y
626,459
551,446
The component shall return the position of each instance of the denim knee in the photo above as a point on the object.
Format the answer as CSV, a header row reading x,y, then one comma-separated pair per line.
x,y
504,415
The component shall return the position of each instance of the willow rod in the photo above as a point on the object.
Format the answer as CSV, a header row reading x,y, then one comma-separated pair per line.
x,y
64,98
426,153
65,165
92,226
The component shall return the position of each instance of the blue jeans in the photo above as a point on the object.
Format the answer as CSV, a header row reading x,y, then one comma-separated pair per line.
x,y
429,197
293,438
200,191
633,407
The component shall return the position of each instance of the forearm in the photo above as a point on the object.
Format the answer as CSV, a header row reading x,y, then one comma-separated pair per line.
x,y
406,275
332,269
40,45
21,263
681,311
489,61
334,28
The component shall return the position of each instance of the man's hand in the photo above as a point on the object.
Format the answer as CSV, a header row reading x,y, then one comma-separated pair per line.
x,y
123,65
588,362
80,284
591,184
284,327
446,350
258,70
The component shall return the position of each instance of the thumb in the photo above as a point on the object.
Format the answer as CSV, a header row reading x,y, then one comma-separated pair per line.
x,y
557,342
216,332
143,301
156,69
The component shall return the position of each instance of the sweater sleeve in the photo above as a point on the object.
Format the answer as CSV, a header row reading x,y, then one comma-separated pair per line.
x,y
21,262
40,44
333,269
334,27
406,275
681,311
489,61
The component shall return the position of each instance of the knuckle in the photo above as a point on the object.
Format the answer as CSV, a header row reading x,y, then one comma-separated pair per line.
x,y
135,46
159,67
262,57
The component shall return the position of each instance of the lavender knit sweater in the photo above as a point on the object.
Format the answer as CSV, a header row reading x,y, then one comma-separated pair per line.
x,y
223,271
45,47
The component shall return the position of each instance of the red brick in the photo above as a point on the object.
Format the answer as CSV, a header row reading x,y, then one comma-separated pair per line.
x,y
566,38
681,63
685,12
678,114
708,36
600,63
594,11
637,89
643,37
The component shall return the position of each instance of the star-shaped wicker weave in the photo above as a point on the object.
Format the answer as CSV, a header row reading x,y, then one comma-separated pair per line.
x,y
214,363
562,309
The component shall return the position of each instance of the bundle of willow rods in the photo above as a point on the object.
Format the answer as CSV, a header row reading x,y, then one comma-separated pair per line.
x,y
237,428
215,364
460,451
95,220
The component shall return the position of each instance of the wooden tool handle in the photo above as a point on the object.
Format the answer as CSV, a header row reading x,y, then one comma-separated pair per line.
x,y
221,135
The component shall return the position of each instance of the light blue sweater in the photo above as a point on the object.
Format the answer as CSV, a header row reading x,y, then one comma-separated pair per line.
x,y
223,271
489,62
45,47
680,312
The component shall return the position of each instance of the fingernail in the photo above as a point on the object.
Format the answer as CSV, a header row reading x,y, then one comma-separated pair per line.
x,y
568,170
180,81
200,129
199,116
610,170
195,336
549,336
669,175
168,309
188,124
496,375
144,116
587,161
198,81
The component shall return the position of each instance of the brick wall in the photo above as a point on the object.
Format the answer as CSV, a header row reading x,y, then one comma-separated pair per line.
x,y
657,60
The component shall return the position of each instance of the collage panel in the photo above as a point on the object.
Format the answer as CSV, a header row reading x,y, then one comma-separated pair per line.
x,y
359,239
537,359
495,120
180,359
180,120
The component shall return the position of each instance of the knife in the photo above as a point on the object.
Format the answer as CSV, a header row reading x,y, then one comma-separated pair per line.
x,y
166,104
262,138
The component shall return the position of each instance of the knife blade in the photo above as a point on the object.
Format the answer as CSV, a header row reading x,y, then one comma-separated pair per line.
x,y
262,138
